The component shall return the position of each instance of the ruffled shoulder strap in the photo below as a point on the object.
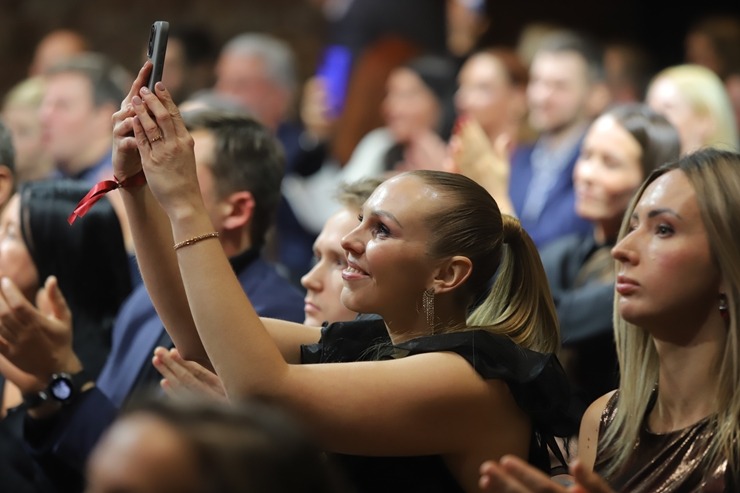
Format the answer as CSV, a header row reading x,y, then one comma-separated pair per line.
x,y
536,380
341,342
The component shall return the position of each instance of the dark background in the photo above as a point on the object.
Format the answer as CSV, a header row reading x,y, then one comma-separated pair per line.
x,y
120,28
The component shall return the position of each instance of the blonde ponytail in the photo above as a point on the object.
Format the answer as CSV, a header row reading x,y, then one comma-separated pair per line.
x,y
519,304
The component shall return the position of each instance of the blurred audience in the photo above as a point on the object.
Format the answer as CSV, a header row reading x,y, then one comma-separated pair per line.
x,y
566,86
189,61
81,94
20,112
492,91
56,47
8,181
714,42
258,71
628,69
206,447
621,148
418,112
694,100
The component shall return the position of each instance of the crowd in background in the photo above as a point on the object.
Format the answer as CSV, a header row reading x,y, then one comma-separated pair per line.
x,y
339,266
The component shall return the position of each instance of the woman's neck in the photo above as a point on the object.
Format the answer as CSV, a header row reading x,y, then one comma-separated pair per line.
x,y
407,326
687,383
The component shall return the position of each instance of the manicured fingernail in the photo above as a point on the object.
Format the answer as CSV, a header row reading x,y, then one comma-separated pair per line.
x,y
144,90
136,100
159,86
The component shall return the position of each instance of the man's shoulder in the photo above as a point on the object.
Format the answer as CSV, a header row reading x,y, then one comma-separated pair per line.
x,y
271,294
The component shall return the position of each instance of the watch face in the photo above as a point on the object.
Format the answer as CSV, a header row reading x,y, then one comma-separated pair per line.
x,y
61,388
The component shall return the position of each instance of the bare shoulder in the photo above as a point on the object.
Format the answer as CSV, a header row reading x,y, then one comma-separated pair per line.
x,y
588,437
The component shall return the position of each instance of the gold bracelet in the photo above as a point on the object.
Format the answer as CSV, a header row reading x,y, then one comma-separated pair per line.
x,y
195,239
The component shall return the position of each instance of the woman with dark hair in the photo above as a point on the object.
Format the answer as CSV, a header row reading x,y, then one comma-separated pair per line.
x,y
86,261
41,255
620,149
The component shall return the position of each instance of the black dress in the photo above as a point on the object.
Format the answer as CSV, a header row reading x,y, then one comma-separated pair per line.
x,y
536,381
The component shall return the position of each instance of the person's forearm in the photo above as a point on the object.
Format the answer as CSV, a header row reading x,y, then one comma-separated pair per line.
x,y
156,258
242,352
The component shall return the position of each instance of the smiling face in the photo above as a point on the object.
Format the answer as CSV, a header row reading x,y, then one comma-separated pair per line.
x,y
607,172
15,259
388,265
667,276
324,282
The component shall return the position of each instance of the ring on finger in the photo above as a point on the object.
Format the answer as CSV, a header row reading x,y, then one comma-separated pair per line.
x,y
158,137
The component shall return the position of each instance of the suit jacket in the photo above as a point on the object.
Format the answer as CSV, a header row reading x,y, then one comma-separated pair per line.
x,y
66,442
558,217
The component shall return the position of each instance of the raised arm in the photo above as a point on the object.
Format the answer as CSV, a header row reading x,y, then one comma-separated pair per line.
x,y
151,229
154,241
423,404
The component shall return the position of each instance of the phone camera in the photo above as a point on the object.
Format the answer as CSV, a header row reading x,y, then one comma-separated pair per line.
x,y
150,47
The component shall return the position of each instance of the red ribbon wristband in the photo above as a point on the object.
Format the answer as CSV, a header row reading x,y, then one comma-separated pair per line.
x,y
100,189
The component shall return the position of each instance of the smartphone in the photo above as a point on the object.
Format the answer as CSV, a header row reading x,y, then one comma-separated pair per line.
x,y
334,70
156,50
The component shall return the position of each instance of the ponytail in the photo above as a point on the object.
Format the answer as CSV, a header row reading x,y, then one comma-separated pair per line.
x,y
519,304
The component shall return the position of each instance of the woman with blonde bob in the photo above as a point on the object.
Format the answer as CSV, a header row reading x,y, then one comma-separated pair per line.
x,y
412,402
694,100
674,423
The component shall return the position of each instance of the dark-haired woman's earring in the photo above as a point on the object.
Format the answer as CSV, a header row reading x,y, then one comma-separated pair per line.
x,y
723,310
428,304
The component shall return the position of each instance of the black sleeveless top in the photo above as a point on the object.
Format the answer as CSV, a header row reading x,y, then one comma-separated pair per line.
x,y
536,381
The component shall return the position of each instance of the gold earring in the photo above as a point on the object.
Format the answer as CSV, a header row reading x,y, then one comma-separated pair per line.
x,y
428,304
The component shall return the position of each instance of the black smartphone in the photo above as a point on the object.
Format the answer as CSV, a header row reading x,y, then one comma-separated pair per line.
x,y
156,50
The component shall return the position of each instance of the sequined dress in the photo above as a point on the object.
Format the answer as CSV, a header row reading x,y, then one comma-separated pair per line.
x,y
667,462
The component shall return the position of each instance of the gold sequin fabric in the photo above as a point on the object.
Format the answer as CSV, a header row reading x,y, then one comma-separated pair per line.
x,y
667,462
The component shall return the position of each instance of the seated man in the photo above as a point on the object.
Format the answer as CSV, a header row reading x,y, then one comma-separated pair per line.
x,y
239,170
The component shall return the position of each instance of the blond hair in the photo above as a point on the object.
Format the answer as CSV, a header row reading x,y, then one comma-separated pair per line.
x,y
518,304
705,93
715,177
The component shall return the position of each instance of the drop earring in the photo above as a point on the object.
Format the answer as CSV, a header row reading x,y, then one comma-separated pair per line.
x,y
723,308
428,304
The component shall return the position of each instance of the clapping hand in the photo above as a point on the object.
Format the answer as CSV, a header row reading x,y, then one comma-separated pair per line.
x,y
513,475
184,378
37,339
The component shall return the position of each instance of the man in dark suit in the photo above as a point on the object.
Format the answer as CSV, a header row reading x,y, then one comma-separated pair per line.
x,y
239,168
566,89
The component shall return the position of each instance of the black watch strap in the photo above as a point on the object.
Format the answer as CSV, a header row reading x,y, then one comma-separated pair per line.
x,y
62,388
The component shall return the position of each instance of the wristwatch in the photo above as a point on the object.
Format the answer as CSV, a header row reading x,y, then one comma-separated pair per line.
x,y
62,388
